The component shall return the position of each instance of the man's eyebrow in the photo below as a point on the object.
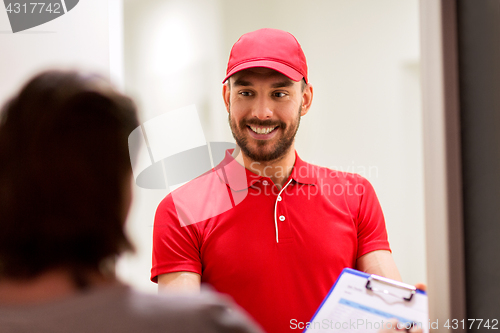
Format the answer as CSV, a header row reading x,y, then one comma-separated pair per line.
x,y
282,84
241,82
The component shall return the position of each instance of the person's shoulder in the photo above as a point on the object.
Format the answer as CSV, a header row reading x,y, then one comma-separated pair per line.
x,y
119,308
204,312
174,302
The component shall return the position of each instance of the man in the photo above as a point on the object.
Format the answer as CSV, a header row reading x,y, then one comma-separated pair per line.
x,y
280,247
65,191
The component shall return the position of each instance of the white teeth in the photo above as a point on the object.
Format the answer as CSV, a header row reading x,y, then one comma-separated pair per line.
x,y
264,130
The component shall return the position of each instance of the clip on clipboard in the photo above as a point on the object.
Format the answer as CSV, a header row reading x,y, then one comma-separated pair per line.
x,y
358,302
412,289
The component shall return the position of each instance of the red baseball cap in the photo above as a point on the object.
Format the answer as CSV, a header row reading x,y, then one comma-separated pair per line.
x,y
269,48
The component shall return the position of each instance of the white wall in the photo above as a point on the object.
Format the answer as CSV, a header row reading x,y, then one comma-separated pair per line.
x,y
79,38
363,58
172,49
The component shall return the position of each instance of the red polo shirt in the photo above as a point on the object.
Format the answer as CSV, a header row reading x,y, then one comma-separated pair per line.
x,y
276,252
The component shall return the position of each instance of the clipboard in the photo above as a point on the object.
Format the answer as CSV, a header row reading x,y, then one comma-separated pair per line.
x,y
360,302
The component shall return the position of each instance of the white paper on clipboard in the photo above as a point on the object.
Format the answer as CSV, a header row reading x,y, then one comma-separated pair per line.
x,y
351,307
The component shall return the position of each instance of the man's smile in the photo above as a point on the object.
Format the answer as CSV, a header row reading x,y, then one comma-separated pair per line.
x,y
262,132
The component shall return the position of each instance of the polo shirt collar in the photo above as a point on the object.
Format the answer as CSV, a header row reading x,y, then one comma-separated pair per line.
x,y
303,172
239,178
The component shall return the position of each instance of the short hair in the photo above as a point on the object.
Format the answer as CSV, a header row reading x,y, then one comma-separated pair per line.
x,y
64,165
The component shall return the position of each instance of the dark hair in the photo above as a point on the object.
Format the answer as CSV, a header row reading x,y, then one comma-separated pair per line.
x,y
64,165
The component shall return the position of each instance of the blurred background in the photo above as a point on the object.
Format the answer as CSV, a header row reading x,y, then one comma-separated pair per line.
x,y
364,65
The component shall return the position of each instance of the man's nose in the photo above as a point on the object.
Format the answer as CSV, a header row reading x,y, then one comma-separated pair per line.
x,y
262,109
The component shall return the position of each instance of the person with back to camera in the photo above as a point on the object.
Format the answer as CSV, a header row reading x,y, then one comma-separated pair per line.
x,y
290,227
65,190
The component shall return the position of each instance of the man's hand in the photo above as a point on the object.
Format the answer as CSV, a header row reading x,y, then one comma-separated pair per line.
x,y
391,326
179,282
421,286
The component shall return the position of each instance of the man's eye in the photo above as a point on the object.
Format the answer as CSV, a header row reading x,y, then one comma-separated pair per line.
x,y
245,93
279,94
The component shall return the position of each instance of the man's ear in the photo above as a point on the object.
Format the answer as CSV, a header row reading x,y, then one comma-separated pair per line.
x,y
307,97
226,94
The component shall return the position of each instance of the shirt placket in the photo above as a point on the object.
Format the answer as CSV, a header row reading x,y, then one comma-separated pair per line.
x,y
282,218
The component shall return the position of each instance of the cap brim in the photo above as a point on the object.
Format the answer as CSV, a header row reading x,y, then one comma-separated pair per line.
x,y
286,70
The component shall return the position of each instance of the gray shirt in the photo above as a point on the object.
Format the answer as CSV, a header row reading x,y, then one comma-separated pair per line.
x,y
120,309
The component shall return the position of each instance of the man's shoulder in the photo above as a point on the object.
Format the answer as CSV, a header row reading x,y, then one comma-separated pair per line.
x,y
199,187
322,173
200,199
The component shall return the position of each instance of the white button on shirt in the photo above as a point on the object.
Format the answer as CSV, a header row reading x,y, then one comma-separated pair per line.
x,y
279,198
282,218
265,182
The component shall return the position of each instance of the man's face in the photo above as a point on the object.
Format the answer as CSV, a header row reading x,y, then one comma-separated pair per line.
x,y
264,109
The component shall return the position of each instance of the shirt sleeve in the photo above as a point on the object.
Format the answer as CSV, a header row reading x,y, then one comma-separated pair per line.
x,y
372,233
176,248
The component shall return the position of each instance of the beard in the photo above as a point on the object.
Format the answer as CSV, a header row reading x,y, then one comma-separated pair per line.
x,y
265,150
